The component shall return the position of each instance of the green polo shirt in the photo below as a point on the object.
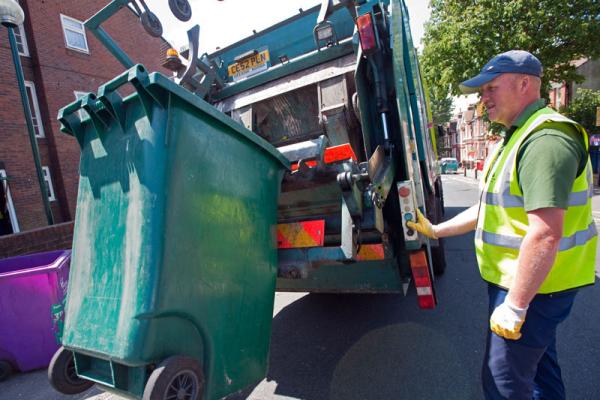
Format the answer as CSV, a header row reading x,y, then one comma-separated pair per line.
x,y
548,161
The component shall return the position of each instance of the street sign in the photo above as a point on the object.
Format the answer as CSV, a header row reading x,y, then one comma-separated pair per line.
x,y
598,116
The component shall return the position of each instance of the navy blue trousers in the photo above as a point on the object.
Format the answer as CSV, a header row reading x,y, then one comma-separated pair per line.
x,y
526,368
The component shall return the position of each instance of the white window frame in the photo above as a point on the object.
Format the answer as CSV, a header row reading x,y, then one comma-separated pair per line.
x,y
79,94
63,18
49,186
22,40
558,98
20,30
11,207
35,112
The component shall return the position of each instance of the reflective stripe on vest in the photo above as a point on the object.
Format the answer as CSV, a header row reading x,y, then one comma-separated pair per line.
x,y
579,238
507,200
503,222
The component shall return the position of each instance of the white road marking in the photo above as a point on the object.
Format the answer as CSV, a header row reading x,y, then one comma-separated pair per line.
x,y
462,179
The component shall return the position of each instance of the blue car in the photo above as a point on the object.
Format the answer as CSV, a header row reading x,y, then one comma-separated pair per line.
x,y
449,165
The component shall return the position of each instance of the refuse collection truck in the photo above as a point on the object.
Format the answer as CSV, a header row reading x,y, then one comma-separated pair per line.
x,y
290,160
337,89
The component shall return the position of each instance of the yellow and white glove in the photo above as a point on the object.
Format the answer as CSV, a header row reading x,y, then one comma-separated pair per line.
x,y
422,225
507,320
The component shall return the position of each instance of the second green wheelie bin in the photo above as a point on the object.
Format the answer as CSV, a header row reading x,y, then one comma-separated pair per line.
x,y
174,255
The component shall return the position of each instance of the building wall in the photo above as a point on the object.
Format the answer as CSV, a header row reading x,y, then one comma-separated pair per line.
x,y
55,237
591,73
57,72
16,157
559,96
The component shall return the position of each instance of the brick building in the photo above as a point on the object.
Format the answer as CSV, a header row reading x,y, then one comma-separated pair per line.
x,y
61,61
561,93
449,141
473,138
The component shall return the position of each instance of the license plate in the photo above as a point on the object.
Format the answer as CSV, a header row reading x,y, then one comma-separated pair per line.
x,y
249,65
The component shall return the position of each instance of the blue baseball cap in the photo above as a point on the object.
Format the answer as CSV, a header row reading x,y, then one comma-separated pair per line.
x,y
514,61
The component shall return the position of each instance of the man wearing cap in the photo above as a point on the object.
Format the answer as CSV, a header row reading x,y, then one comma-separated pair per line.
x,y
535,237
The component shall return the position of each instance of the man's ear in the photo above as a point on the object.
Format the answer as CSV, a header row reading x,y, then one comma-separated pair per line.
x,y
524,83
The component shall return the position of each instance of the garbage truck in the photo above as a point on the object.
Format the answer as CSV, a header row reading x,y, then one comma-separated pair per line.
x,y
290,160
337,89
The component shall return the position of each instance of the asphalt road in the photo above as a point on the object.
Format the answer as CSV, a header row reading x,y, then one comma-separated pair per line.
x,y
384,347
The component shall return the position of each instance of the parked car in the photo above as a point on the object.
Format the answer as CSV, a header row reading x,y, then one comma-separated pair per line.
x,y
449,165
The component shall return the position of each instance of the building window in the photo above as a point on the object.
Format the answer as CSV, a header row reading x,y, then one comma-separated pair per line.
x,y
8,217
74,33
20,39
558,98
35,110
49,186
82,112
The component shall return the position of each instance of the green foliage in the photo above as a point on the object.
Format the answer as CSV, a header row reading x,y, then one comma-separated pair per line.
x,y
583,109
441,110
462,35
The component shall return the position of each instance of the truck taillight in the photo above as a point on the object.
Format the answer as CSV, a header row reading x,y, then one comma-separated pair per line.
x,y
368,42
422,279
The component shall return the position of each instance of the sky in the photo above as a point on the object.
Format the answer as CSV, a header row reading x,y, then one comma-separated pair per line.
x,y
224,22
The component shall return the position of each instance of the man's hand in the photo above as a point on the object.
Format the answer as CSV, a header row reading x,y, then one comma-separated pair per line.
x,y
422,225
507,319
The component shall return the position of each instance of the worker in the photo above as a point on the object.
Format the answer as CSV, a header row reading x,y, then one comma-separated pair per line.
x,y
535,237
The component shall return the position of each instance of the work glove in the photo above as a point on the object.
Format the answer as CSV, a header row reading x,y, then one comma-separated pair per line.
x,y
507,319
422,225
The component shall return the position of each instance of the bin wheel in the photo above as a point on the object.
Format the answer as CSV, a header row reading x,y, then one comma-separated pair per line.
x,y
151,23
6,370
176,378
181,9
62,375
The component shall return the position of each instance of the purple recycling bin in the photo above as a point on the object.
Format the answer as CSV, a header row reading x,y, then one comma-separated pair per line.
x,y
32,298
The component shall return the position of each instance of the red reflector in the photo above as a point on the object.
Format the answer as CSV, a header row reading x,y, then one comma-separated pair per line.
x,y
366,33
301,234
310,163
426,302
332,154
370,252
339,153
422,279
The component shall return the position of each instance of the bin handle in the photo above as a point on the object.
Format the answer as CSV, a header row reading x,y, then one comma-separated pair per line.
x,y
137,76
70,122
100,120
109,104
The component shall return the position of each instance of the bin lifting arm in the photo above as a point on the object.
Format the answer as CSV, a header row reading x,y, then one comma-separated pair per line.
x,y
199,76
93,24
329,6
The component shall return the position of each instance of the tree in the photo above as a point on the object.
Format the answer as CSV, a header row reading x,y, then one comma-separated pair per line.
x,y
441,110
583,109
462,35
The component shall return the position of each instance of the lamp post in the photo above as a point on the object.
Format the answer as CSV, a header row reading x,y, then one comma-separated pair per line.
x,y
11,15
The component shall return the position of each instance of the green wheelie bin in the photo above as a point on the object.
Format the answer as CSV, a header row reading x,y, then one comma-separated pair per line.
x,y
174,252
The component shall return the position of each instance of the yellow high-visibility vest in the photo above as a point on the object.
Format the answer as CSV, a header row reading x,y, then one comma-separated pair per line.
x,y
502,222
